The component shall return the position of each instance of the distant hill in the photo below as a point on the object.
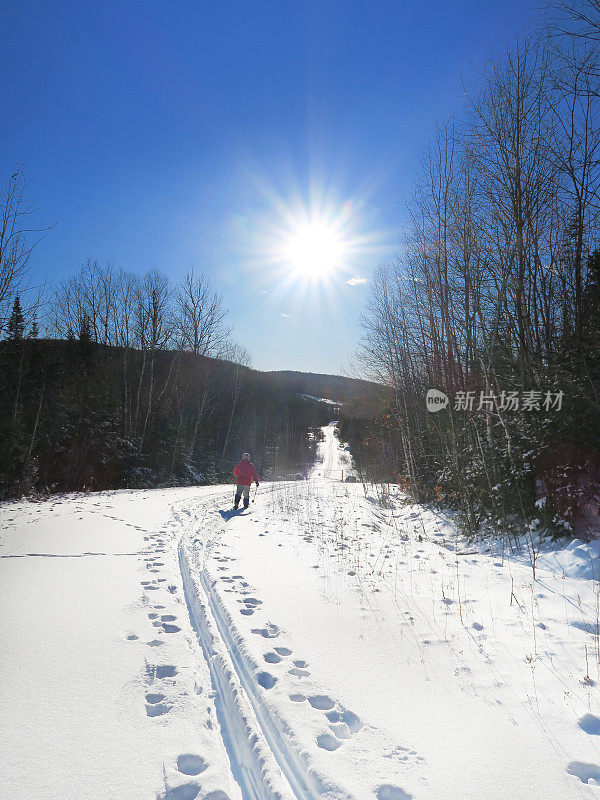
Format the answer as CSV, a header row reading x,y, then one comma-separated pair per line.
x,y
332,387
80,415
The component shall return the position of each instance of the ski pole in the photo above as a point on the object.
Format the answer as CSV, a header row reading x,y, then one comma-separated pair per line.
x,y
255,491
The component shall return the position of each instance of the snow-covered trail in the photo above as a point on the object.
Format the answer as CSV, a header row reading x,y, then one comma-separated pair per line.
x,y
320,646
104,692
333,462
394,667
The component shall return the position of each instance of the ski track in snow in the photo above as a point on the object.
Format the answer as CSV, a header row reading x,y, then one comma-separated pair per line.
x,y
324,645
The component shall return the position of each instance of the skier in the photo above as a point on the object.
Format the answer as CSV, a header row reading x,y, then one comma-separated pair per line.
x,y
245,473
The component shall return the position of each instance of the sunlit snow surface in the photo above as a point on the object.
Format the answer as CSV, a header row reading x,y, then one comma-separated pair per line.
x,y
155,645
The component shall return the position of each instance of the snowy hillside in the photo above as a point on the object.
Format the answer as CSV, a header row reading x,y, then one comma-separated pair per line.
x,y
322,645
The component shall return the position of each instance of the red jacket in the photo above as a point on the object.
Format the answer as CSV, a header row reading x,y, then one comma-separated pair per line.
x,y
245,473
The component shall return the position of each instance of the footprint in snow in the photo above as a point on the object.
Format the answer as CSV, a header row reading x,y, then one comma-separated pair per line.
x,y
247,612
131,637
477,626
341,730
170,628
160,671
190,764
272,658
349,718
328,742
321,702
269,632
157,710
388,791
401,753
590,723
155,643
299,673
297,698
168,618
266,680
585,772
154,697
283,651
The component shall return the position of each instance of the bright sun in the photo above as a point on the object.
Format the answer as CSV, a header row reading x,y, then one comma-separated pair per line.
x,y
314,249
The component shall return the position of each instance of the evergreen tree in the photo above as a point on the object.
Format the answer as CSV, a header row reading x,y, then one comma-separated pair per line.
x,y
590,334
34,331
85,341
85,330
591,299
16,323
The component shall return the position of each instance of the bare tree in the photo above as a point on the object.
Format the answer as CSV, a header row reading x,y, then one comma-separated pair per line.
x,y
578,19
509,142
18,239
493,285
155,327
240,359
200,316
91,294
575,146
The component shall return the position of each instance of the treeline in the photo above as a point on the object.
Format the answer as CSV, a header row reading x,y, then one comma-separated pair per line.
x,y
140,385
495,298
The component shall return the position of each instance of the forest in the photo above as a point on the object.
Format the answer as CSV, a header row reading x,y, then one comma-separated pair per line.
x,y
494,299
140,386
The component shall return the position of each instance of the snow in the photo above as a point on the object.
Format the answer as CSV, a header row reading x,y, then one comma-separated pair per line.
x,y
325,400
333,460
81,692
576,559
329,643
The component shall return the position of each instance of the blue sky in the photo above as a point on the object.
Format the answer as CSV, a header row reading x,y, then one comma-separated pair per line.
x,y
170,134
